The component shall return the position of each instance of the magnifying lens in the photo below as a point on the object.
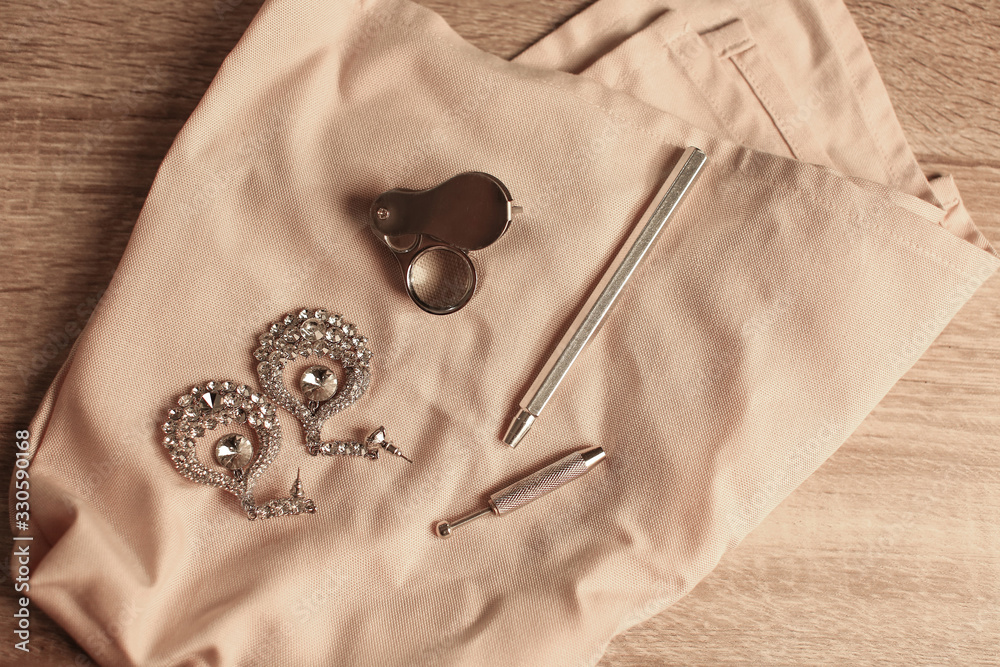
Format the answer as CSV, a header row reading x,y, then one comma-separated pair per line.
x,y
439,278
431,232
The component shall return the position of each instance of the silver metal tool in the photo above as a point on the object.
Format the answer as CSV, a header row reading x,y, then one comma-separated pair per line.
x,y
590,318
532,487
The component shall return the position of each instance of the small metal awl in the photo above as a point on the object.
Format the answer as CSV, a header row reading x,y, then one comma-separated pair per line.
x,y
532,487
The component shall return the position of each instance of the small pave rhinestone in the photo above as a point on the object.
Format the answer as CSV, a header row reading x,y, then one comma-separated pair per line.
x,y
313,328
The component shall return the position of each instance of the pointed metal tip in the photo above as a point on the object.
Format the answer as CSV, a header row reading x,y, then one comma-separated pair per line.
x,y
393,449
297,491
593,456
518,428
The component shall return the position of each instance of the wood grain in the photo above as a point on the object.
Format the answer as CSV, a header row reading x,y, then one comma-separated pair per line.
x,y
890,553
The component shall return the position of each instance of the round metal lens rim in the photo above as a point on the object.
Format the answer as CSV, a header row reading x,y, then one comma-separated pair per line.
x,y
465,297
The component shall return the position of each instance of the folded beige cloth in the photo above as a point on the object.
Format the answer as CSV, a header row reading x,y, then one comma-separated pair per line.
x,y
808,269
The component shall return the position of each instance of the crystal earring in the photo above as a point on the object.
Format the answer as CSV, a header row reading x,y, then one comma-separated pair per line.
x,y
216,404
329,337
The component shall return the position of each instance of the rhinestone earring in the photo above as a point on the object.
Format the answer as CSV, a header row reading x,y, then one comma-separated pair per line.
x,y
329,337
216,404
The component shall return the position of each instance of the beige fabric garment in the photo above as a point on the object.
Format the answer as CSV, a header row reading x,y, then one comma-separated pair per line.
x,y
779,306
818,100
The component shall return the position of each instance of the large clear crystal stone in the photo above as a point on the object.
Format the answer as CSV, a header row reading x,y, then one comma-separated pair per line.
x,y
233,451
318,383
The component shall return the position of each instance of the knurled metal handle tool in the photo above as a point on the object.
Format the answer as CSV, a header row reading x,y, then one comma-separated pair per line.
x,y
532,487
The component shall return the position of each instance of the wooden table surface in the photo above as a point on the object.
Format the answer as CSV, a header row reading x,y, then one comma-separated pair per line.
x,y
890,553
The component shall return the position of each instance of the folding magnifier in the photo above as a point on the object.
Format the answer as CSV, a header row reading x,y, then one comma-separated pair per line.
x,y
431,232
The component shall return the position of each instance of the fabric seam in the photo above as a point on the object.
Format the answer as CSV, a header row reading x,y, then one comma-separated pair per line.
x,y
878,229
855,92
667,49
457,48
758,90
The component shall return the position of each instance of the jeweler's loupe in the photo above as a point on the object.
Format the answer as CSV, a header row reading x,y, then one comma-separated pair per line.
x,y
431,232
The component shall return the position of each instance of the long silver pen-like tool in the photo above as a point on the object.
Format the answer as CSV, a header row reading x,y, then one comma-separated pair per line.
x,y
532,487
588,321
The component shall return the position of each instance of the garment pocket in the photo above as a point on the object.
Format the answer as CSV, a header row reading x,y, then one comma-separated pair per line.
x,y
718,80
735,76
